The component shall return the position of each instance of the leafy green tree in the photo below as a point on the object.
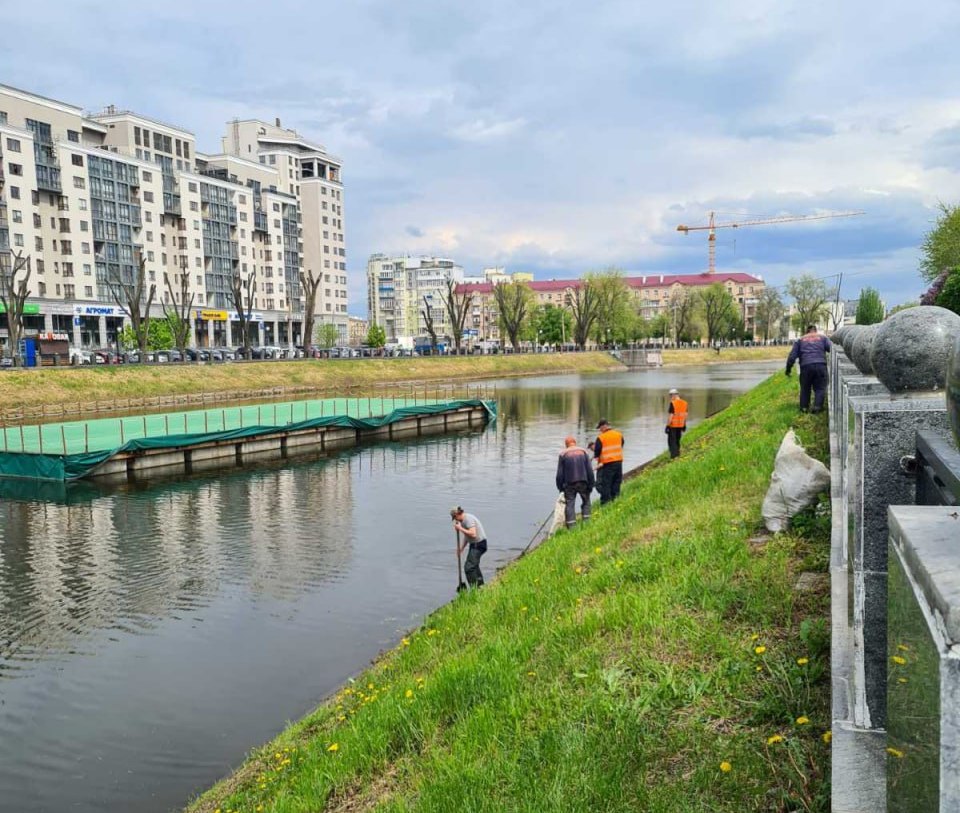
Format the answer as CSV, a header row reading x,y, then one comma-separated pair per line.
x,y
869,307
940,250
614,306
811,297
376,336
514,304
950,295
327,335
682,314
902,307
719,310
159,336
553,325
769,311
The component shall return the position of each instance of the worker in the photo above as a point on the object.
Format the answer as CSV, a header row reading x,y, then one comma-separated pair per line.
x,y
608,451
676,422
472,535
811,351
575,476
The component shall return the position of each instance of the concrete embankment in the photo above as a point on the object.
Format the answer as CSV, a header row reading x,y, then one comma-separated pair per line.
x,y
25,389
660,657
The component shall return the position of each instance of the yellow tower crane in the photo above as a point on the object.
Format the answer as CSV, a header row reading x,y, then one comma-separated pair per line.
x,y
712,227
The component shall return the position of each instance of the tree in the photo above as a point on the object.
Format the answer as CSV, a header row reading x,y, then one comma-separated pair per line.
x,y
950,295
458,308
242,291
14,291
327,335
902,307
310,285
427,314
376,336
719,310
869,307
769,311
135,299
940,250
160,336
514,300
178,314
614,310
553,325
683,314
932,294
583,307
811,298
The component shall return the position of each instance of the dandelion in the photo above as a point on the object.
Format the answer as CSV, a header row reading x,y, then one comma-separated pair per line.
x,y
760,649
895,752
723,468
759,668
803,661
405,641
774,739
902,680
827,737
523,609
333,746
341,718
531,674
432,632
578,570
726,767
597,550
899,660
619,562
803,720
408,693
755,636
369,685
903,647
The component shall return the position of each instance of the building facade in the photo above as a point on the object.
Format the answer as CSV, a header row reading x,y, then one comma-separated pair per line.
x,y
359,328
400,289
89,197
652,296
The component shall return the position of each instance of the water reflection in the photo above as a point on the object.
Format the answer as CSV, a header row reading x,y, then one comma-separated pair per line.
x,y
151,635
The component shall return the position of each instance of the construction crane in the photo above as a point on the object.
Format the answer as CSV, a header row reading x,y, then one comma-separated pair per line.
x,y
712,227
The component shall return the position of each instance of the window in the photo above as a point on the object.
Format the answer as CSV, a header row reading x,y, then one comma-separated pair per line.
x,y
17,216
82,203
196,244
74,136
147,176
136,137
148,197
18,239
198,262
41,286
149,236
243,216
68,291
87,270
85,248
88,291
13,145
242,198
84,225
76,160
179,148
192,187
150,256
186,149
38,243
16,169
194,207
66,247
79,183
273,159
276,207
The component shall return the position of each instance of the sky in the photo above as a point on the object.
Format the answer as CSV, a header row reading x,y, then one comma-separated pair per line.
x,y
559,137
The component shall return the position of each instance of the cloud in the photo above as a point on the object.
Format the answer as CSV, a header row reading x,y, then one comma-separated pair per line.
x,y
413,231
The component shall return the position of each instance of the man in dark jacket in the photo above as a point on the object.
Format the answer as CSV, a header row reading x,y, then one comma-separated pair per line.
x,y
811,351
575,476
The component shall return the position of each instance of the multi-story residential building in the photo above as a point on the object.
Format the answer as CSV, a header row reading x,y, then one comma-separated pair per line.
x,y
88,197
653,294
400,289
359,328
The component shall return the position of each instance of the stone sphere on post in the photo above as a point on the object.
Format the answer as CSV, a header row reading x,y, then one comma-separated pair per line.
x,y
848,337
837,336
911,348
861,348
953,390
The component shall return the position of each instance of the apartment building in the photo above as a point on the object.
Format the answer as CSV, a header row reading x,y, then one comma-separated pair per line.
x,y
400,289
86,197
652,295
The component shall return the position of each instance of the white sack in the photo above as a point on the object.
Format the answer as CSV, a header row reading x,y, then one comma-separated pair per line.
x,y
796,481
559,518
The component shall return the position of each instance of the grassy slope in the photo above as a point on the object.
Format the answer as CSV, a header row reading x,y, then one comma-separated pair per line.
x,y
612,669
54,386
727,355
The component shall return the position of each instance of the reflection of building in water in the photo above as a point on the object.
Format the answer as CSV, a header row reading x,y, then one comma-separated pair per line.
x,y
129,559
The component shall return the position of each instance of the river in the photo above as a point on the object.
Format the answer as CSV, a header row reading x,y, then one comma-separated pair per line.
x,y
150,636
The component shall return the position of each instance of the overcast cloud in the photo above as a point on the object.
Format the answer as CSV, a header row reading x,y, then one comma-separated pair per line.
x,y
559,137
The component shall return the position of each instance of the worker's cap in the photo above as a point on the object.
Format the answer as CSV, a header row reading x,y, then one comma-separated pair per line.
x,y
456,511
674,391
603,422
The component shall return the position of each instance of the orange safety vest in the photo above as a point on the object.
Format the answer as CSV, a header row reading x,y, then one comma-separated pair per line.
x,y
611,447
678,418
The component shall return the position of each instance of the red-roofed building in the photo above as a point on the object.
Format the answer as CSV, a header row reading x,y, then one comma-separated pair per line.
x,y
651,294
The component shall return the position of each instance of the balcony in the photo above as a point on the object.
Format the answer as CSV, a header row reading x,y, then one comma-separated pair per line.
x,y
260,221
171,203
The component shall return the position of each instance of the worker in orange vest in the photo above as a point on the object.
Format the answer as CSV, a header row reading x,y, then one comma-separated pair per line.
x,y
676,422
608,452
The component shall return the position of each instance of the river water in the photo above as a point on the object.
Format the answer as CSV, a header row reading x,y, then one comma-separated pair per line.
x,y
151,636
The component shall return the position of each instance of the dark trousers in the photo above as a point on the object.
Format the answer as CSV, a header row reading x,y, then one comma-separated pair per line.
x,y
813,377
609,477
673,440
472,567
570,497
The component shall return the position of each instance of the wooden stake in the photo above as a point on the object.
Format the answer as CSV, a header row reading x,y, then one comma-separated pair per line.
x,y
86,436
63,438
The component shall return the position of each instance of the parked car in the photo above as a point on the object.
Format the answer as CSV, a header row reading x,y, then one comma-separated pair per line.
x,y
78,356
6,361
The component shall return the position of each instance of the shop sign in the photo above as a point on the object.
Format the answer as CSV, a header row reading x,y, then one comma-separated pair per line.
x,y
95,310
29,308
211,316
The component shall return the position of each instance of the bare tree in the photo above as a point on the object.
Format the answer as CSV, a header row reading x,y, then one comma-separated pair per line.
x,y
13,294
427,315
769,311
242,291
310,284
513,306
178,315
458,307
584,307
135,299
683,311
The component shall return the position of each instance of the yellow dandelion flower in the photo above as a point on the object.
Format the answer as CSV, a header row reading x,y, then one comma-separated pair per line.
x,y
895,752
755,636
903,647
827,737
531,674
405,641
899,660
408,693
760,649
597,550
523,609
759,668
619,562
432,632
369,685
726,767
578,570
803,720
803,661
333,746
774,739
902,680
536,581
723,468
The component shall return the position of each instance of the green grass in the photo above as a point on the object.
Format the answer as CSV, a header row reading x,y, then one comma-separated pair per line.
x,y
619,667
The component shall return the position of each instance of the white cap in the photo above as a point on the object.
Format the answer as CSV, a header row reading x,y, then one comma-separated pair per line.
x,y
674,392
